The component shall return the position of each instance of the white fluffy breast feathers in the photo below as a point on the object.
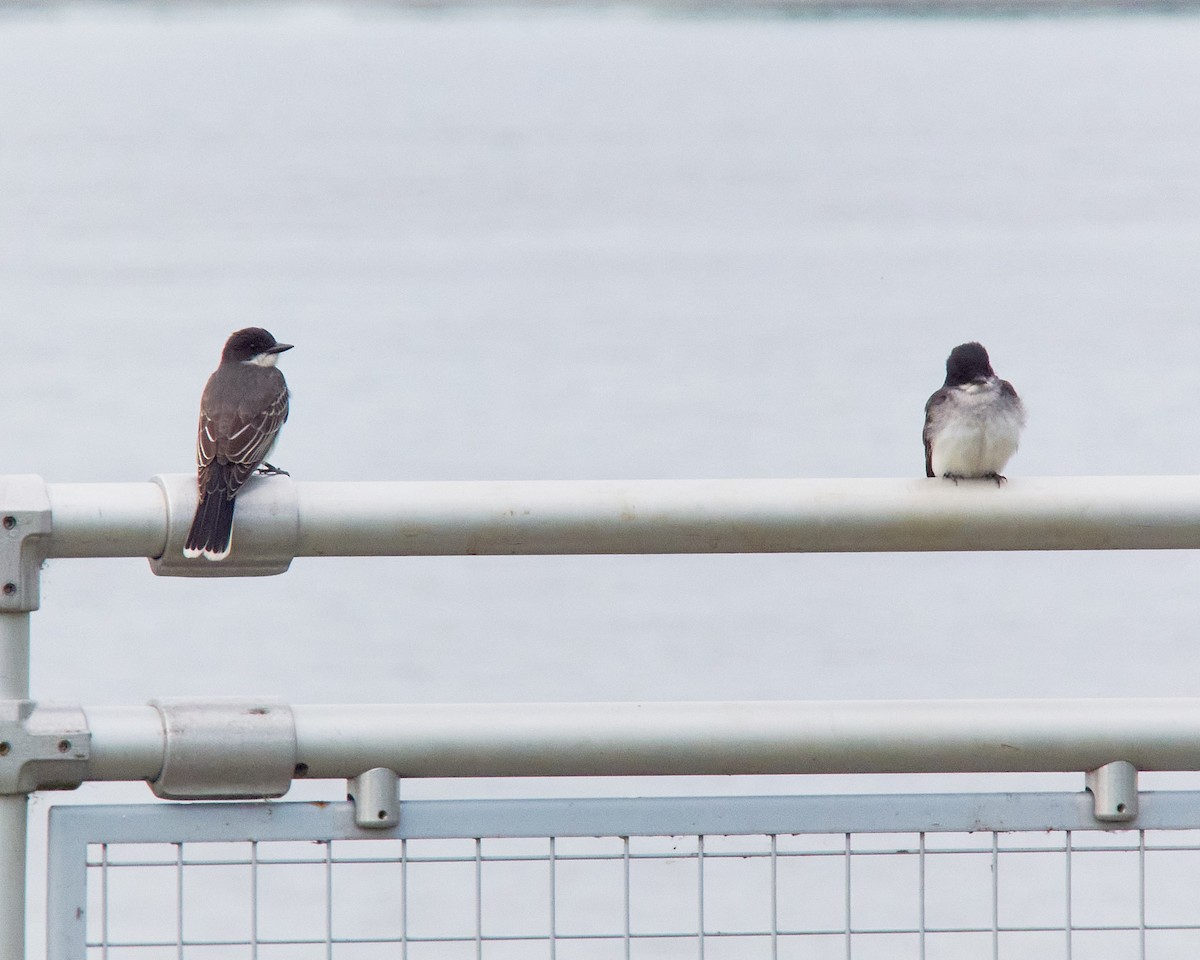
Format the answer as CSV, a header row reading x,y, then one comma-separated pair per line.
x,y
976,430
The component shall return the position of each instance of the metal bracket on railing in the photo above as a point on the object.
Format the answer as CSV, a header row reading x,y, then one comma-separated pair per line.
x,y
266,528
43,746
25,523
376,797
228,749
1114,789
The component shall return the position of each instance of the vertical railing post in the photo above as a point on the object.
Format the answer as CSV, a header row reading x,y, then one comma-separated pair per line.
x,y
14,686
25,525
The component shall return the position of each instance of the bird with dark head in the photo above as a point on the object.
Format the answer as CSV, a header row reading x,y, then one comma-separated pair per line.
x,y
973,422
245,402
967,362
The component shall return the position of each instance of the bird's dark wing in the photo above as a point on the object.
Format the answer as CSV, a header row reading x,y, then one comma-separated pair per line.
x,y
234,438
1010,400
932,408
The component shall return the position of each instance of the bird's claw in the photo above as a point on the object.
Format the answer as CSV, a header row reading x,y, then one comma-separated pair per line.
x,y
998,477
270,470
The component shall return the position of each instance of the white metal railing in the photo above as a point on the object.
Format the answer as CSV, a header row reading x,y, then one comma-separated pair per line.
x,y
279,519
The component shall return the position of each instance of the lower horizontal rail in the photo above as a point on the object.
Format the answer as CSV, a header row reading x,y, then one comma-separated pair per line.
x,y
711,738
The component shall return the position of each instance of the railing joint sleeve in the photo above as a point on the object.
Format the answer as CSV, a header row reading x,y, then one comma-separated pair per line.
x,y
225,749
25,526
266,529
43,746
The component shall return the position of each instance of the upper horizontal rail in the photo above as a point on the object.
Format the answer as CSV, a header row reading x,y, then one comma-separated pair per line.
x,y
423,518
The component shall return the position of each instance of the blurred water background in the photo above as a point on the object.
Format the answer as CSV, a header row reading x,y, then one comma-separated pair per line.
x,y
602,243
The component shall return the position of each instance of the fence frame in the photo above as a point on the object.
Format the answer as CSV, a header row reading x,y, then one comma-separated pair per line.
x,y
74,828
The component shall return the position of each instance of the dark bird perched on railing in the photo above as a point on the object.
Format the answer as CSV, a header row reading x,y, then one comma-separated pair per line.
x,y
973,423
245,403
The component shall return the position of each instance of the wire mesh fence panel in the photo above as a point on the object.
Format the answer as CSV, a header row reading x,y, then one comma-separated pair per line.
x,y
715,878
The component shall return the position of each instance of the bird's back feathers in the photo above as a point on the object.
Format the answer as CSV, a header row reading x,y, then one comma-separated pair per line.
x,y
241,412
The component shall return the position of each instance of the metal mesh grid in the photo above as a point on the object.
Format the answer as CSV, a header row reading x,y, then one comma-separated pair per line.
x,y
1023,894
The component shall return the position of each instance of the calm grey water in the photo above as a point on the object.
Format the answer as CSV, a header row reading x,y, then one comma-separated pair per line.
x,y
603,244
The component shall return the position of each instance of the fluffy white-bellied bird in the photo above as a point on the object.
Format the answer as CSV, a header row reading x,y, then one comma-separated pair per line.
x,y
245,403
973,423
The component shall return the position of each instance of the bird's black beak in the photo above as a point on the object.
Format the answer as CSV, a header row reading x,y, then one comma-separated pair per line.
x,y
280,347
